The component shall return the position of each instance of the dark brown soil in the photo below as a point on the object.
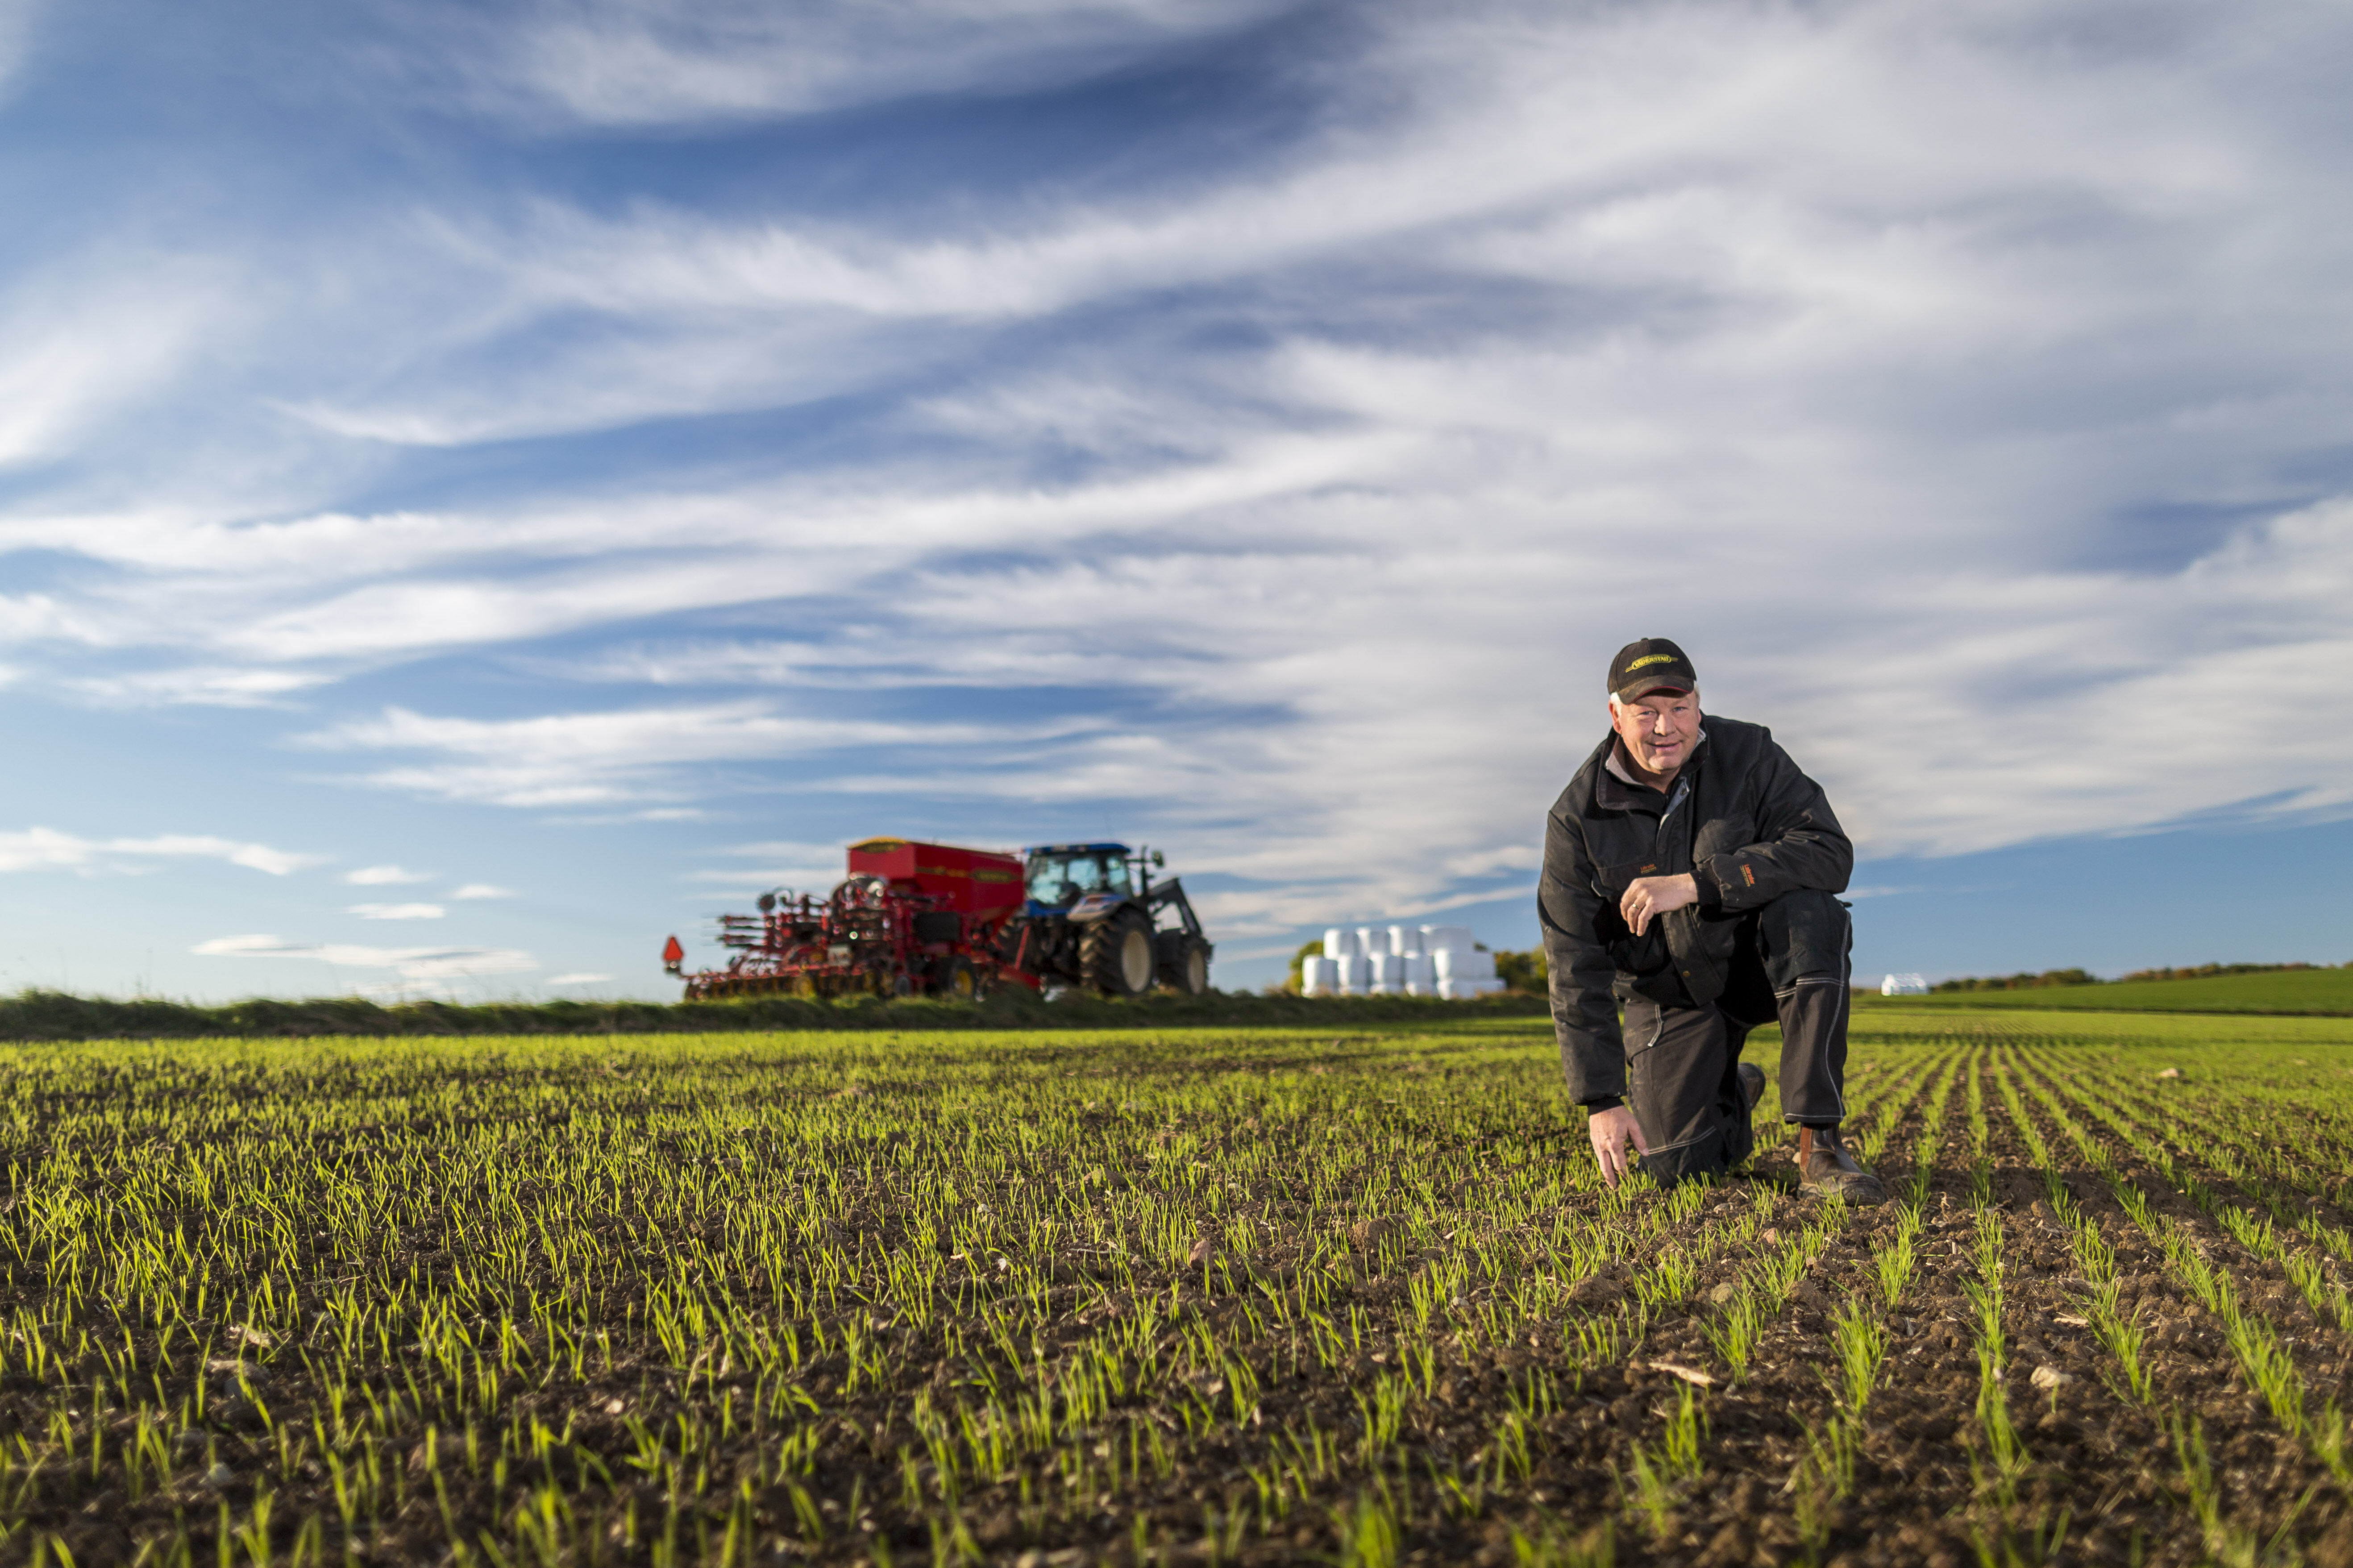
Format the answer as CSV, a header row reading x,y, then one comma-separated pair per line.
x,y
663,1456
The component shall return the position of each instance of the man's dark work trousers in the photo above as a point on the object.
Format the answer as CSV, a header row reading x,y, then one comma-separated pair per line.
x,y
1682,1063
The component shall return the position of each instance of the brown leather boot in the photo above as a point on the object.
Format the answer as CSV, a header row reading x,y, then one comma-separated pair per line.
x,y
1824,1167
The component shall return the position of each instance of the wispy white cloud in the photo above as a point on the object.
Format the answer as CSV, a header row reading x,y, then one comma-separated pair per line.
x,y
385,875
398,912
805,868
195,686
46,849
574,759
870,662
650,62
483,890
80,341
1961,740
1686,164
2232,666
425,964
18,20
578,979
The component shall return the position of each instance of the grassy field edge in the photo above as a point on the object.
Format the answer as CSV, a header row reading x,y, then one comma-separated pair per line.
x,y
2293,993
56,1016
37,1015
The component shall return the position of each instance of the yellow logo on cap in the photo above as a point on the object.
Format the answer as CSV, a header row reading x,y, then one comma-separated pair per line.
x,y
1650,658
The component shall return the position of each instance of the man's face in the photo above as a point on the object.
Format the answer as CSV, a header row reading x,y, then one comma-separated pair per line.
x,y
1659,730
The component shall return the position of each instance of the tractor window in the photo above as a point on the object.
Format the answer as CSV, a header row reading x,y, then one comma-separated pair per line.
x,y
1055,882
1060,882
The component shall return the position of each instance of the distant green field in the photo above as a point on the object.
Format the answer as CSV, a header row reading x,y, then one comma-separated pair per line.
x,y
2309,991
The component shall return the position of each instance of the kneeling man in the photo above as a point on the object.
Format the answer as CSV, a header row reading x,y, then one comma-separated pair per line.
x,y
1691,872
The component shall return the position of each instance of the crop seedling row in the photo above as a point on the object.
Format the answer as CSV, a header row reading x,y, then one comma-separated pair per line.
x,y
1204,1295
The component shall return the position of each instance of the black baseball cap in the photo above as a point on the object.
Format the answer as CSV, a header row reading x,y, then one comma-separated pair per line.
x,y
1651,664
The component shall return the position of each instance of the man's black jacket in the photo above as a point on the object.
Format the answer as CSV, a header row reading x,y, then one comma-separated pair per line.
x,y
1740,816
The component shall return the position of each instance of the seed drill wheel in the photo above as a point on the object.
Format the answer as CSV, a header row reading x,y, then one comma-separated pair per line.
x,y
1115,954
955,979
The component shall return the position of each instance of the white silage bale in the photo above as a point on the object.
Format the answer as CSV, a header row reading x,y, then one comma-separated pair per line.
x,y
1338,943
1420,975
1317,976
1465,964
1372,941
1404,939
1388,974
1463,990
1354,974
1446,939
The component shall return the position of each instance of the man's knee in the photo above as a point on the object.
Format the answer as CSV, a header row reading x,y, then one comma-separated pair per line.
x,y
1804,932
1707,1155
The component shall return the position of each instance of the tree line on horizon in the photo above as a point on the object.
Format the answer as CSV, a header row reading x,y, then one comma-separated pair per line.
x,y
2023,982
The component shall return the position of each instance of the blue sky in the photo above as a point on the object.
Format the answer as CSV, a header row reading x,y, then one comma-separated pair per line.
x,y
483,488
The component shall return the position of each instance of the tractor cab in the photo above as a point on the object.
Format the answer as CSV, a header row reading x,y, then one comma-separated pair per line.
x,y
1062,875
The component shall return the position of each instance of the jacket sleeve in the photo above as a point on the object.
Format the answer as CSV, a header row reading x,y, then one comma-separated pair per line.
x,y
1799,842
1584,1010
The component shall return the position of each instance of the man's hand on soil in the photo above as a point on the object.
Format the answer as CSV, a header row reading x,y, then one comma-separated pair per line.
x,y
1610,1131
1655,896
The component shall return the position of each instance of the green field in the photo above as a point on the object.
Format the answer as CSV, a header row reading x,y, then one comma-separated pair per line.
x,y
2292,991
1195,1296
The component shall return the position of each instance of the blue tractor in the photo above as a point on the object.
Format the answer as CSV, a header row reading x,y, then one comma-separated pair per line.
x,y
1096,918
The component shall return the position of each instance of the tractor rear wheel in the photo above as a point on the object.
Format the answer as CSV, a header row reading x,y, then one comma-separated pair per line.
x,y
1115,954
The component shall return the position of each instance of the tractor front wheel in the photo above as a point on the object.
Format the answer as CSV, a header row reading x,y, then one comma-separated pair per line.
x,y
1116,954
1191,973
